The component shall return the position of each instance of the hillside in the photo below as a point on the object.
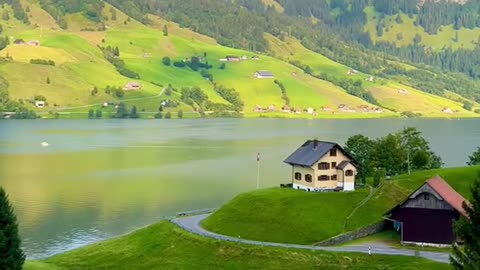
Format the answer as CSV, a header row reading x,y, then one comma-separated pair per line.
x,y
165,246
96,49
250,215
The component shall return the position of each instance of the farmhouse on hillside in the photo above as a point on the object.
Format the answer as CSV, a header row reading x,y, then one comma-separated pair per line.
x,y
19,41
231,58
132,86
33,43
319,166
40,104
428,215
264,75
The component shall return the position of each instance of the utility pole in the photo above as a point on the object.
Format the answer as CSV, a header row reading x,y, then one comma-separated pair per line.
x,y
258,170
408,161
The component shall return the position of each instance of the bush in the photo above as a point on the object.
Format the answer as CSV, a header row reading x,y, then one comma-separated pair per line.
x,y
158,115
168,115
166,61
180,114
91,114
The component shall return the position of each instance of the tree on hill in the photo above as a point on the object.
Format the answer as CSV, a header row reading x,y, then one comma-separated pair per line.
x,y
5,16
398,19
474,159
165,30
11,254
180,114
168,115
468,230
358,146
166,61
98,113
48,80
91,114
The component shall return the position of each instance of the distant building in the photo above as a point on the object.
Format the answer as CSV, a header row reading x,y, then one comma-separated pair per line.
x,y
40,104
310,110
327,109
318,166
255,57
370,79
447,111
19,41
132,86
33,43
352,72
427,216
403,92
231,58
286,109
258,108
272,108
264,75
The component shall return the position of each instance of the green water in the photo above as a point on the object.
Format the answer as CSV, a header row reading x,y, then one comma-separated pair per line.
x,y
98,179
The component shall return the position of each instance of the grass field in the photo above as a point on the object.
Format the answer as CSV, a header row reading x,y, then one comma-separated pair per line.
x,y
291,216
165,246
285,215
467,38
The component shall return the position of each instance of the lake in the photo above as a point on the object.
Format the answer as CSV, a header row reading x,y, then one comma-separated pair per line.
x,y
99,179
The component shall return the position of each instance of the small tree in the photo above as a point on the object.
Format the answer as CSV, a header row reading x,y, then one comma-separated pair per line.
x,y
223,66
91,114
168,115
11,254
166,61
48,80
133,113
474,159
158,115
165,30
468,230
98,113
180,114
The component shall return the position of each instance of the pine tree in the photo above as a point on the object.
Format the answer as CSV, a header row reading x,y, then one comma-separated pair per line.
x,y
468,230
11,254
165,30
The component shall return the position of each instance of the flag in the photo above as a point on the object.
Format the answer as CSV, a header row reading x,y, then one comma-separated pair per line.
x,y
258,156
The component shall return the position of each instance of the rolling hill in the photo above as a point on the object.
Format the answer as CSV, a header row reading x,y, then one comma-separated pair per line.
x,y
82,72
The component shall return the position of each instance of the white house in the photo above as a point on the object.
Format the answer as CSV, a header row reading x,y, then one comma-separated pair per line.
x,y
318,166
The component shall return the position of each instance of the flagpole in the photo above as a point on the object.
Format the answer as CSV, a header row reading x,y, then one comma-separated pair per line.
x,y
258,171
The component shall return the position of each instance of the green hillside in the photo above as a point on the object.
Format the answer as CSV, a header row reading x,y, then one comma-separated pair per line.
x,y
165,246
80,66
292,216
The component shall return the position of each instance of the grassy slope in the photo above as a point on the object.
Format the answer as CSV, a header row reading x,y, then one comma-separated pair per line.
x,y
444,38
396,191
386,92
165,246
285,215
290,216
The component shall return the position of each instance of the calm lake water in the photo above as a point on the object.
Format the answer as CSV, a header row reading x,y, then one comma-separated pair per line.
x,y
99,179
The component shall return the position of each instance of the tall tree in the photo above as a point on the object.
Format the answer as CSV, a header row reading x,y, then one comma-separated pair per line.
x,y
468,230
359,147
474,159
11,254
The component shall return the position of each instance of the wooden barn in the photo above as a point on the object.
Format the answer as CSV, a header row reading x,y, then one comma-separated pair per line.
x,y
428,215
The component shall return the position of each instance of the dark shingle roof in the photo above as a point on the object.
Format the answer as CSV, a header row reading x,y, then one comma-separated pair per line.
x,y
308,154
343,164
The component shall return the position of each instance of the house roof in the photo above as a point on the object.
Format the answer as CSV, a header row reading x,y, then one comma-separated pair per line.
x,y
343,164
264,73
444,190
447,193
311,152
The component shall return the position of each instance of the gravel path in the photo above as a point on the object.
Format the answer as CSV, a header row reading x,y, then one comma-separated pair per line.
x,y
192,224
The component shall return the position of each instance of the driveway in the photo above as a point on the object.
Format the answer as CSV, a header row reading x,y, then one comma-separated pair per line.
x,y
192,224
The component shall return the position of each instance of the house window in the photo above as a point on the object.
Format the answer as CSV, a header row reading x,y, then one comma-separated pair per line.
x,y
298,176
426,196
334,177
324,166
323,178
308,178
349,173
333,152
334,165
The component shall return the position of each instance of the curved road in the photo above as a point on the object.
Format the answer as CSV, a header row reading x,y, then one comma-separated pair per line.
x,y
192,224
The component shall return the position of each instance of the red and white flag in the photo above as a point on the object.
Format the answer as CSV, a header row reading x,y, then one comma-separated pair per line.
x,y
258,156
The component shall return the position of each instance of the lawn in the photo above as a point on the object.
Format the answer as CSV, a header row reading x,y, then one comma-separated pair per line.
x,y
291,216
165,246
285,215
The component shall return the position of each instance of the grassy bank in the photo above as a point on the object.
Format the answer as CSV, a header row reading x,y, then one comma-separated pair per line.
x,y
165,246
291,216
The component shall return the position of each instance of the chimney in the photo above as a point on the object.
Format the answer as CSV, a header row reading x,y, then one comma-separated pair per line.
x,y
315,144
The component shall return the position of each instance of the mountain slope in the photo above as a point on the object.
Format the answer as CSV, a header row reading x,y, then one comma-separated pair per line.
x,y
81,66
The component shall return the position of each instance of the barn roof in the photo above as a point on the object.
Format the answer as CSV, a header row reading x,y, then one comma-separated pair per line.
x,y
447,193
311,152
265,73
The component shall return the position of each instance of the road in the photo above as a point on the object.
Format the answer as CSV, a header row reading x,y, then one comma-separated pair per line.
x,y
192,224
